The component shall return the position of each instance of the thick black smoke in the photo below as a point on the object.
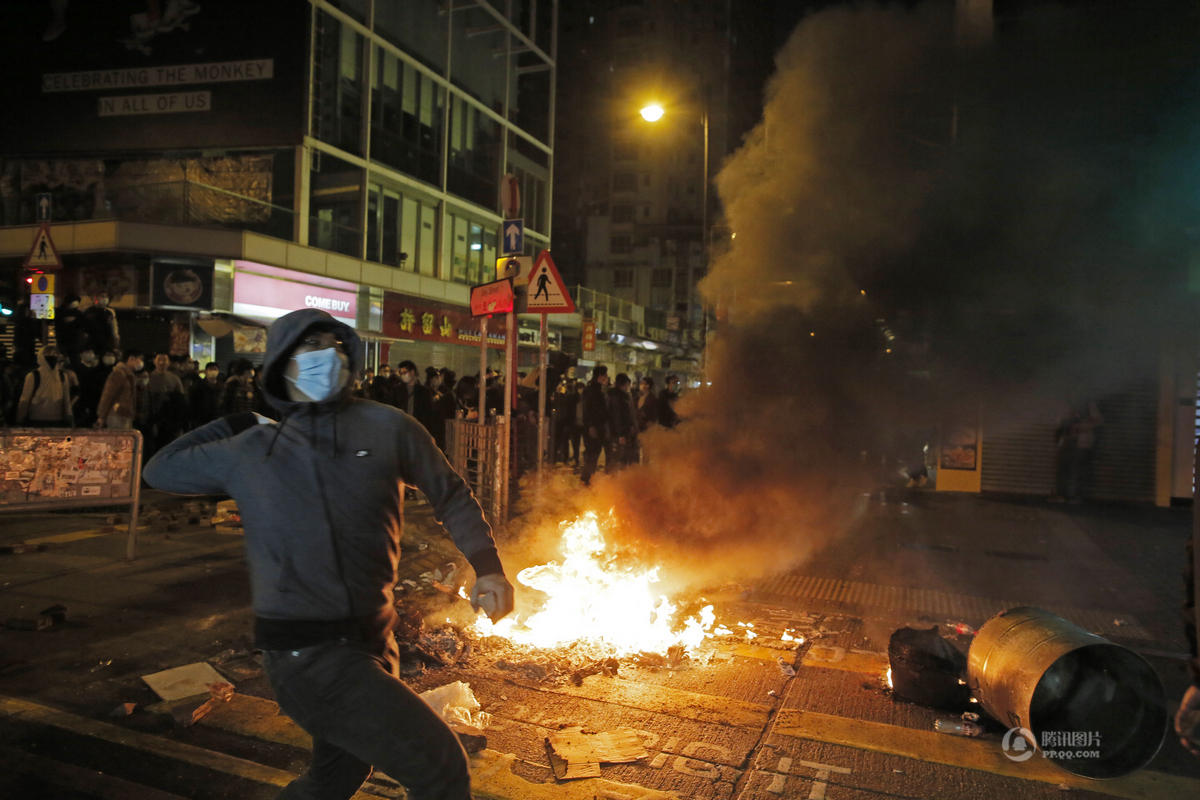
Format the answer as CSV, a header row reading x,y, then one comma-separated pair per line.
x,y
921,223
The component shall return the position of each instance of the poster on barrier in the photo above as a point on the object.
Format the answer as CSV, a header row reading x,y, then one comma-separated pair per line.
x,y
49,466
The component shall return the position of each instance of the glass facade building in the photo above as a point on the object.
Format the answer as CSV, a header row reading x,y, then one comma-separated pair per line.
x,y
360,140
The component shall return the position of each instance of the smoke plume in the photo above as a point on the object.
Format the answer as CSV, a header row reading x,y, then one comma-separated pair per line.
x,y
920,224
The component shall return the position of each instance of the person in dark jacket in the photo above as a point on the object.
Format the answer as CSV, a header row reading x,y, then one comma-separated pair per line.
x,y
412,396
596,424
647,404
92,375
239,394
68,329
562,413
445,407
622,420
320,493
205,399
666,403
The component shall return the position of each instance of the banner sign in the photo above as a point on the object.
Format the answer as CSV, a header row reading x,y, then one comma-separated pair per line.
x,y
406,317
88,77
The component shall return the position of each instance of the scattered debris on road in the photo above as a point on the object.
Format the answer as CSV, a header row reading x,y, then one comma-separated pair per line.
x,y
185,681
46,618
575,754
457,705
927,670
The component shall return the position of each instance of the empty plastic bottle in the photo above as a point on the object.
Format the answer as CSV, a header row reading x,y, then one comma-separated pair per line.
x,y
957,727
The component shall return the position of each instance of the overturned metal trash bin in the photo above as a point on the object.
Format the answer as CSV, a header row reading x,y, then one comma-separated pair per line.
x,y
1095,708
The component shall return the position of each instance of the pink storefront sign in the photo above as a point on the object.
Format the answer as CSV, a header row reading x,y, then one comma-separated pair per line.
x,y
255,294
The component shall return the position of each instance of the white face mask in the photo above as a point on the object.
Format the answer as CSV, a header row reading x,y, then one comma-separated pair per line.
x,y
321,374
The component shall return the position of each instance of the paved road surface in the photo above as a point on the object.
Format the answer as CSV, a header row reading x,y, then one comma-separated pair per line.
x,y
748,720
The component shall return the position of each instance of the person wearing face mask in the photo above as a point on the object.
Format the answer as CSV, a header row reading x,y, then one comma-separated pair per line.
x,y
47,396
205,398
320,494
119,399
92,375
414,397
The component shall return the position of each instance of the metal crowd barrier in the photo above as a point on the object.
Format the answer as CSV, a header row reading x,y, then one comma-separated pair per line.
x,y
56,468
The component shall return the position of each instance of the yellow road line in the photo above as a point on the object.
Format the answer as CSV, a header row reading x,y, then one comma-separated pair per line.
x,y
675,702
75,536
977,754
846,660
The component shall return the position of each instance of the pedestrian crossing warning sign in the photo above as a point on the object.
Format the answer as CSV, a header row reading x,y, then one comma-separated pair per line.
x,y
546,293
43,254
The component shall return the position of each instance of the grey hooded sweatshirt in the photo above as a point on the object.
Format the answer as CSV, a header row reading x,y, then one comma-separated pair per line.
x,y
321,499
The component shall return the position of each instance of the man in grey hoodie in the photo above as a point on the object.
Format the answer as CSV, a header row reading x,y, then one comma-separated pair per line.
x,y
320,494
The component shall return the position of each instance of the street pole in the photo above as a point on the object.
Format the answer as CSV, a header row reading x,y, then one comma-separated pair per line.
x,y
483,343
704,244
541,430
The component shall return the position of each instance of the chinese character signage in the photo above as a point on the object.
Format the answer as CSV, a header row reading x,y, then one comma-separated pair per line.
x,y
406,317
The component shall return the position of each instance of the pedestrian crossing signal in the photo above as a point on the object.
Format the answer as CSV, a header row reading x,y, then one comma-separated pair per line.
x,y
547,294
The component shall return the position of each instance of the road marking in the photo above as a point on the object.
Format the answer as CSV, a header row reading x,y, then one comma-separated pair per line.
x,y
864,661
983,755
675,702
78,536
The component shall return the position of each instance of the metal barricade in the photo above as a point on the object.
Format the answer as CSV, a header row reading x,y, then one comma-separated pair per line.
x,y
476,453
56,468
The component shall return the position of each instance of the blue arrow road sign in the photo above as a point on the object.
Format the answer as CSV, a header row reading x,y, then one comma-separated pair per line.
x,y
513,236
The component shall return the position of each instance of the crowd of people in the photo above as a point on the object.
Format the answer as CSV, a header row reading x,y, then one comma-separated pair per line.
x,y
607,419
83,379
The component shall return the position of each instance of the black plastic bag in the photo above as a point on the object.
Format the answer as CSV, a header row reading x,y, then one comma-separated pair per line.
x,y
928,670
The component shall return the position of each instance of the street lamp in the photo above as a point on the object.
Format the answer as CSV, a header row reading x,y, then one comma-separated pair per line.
x,y
653,112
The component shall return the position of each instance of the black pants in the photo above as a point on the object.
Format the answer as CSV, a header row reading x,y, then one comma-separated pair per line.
x,y
348,696
592,446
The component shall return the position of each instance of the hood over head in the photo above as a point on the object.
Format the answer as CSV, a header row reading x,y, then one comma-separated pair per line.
x,y
282,338
49,350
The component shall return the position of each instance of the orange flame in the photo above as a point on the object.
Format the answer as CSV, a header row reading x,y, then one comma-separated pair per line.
x,y
592,599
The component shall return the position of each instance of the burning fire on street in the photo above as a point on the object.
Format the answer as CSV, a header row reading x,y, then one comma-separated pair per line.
x,y
603,601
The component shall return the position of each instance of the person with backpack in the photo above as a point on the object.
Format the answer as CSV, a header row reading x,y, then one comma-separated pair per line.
x,y
48,394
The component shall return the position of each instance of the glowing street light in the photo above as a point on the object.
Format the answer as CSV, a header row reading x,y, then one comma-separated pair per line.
x,y
652,113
